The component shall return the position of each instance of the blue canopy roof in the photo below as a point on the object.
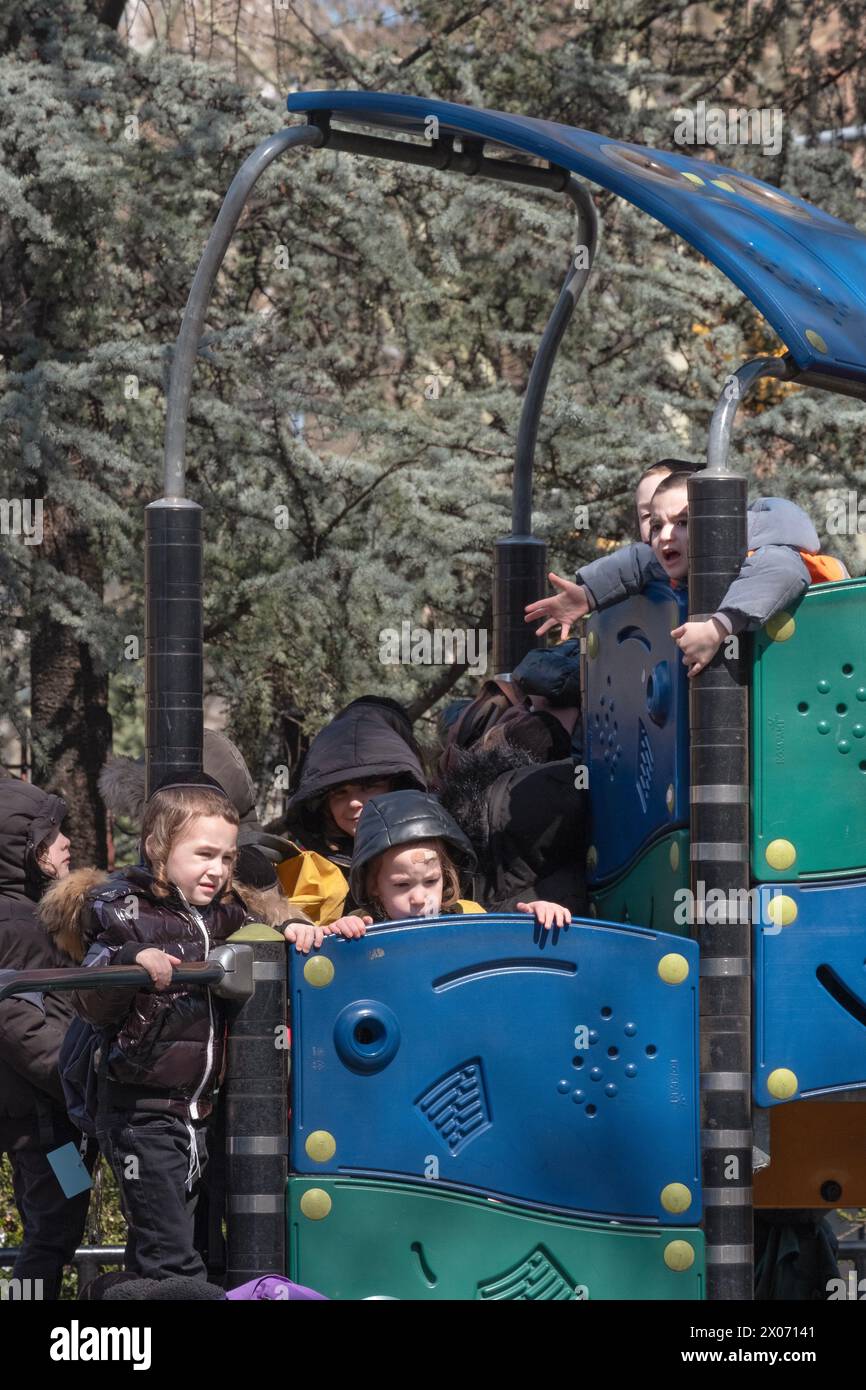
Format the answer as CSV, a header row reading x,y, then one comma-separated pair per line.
x,y
804,270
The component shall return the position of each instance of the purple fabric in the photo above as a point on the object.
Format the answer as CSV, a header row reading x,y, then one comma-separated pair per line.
x,y
274,1286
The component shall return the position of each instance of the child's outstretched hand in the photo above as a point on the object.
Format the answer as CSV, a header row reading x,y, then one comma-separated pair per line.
x,y
699,642
350,926
303,935
561,609
158,965
547,914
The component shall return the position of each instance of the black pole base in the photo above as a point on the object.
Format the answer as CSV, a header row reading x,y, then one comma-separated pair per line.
x,y
519,577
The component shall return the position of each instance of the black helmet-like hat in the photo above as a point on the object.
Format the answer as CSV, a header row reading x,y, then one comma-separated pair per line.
x,y
399,818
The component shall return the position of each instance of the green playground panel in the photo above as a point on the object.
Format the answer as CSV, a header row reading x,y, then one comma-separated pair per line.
x,y
644,895
352,1238
809,738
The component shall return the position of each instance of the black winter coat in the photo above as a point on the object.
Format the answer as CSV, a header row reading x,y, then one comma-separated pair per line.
x,y
371,737
527,825
32,1026
166,1049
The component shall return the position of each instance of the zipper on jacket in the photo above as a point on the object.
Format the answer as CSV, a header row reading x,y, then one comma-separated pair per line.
x,y
208,1067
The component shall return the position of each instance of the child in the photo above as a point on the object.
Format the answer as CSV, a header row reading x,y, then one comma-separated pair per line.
x,y
162,1053
781,562
647,484
366,750
406,861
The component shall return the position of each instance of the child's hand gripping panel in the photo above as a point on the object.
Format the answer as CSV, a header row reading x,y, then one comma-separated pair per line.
x,y
555,1068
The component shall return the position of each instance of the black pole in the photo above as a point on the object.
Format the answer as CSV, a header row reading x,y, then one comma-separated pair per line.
x,y
174,719
719,722
173,555
519,577
256,1100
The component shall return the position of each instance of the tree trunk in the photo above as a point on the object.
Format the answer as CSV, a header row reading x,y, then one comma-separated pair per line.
x,y
69,696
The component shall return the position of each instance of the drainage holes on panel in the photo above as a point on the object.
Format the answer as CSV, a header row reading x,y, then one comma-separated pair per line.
x,y
366,1035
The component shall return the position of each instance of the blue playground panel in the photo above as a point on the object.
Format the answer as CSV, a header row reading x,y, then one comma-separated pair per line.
x,y
635,727
553,1068
810,989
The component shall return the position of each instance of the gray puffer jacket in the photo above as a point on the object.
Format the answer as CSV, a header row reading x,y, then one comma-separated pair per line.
x,y
769,580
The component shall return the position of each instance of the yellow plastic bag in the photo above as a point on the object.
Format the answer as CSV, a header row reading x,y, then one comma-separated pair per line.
x,y
315,885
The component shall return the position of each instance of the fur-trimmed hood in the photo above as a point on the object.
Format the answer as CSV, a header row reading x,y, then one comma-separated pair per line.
x,y
464,793
526,822
61,910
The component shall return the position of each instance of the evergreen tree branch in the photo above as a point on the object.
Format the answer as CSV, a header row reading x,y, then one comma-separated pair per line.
x,y
449,29
338,55
427,698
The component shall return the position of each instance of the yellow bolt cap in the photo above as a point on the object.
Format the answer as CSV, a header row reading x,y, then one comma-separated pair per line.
x,y
320,1146
780,628
782,1084
679,1255
782,910
319,971
676,1197
780,854
315,1204
673,968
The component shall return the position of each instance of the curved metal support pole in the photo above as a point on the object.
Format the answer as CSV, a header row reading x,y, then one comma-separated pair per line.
x,y
536,388
185,352
520,559
738,386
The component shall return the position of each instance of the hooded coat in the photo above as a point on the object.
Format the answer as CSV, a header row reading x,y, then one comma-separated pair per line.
x,y
527,825
32,1026
371,737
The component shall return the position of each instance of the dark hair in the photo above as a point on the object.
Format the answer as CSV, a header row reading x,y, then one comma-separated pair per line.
x,y
673,480
675,467
666,464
